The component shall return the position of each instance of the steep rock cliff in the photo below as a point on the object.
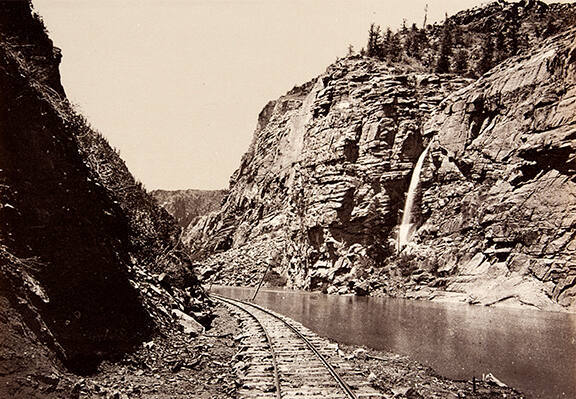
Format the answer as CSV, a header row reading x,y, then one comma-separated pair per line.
x,y
186,206
89,264
319,193
500,202
324,177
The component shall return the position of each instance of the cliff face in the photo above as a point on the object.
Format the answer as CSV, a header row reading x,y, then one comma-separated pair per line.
x,y
186,206
82,246
320,192
325,175
500,203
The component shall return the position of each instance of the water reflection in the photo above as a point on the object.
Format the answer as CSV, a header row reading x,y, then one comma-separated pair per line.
x,y
530,350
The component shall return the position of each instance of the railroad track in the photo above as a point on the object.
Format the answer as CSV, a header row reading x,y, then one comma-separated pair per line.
x,y
279,358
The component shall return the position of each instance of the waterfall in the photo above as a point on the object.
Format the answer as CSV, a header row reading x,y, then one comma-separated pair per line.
x,y
406,227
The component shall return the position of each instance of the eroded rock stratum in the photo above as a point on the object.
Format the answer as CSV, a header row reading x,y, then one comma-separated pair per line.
x,y
319,193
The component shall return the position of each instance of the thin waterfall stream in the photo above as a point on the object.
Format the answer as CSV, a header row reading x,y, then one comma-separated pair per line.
x,y
406,226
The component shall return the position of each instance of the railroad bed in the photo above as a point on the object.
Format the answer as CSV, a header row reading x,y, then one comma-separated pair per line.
x,y
279,358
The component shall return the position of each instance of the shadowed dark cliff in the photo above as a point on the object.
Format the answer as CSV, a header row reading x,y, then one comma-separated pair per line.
x,y
88,261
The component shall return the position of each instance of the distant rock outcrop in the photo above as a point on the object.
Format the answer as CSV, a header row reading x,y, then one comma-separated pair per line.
x,y
186,206
319,193
90,265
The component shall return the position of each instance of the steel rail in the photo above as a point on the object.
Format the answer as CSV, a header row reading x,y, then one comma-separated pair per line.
x,y
268,339
347,390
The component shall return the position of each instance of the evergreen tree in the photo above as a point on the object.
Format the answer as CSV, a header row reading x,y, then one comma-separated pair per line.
x,y
487,57
393,47
447,39
551,29
386,43
461,62
458,35
443,63
422,39
500,53
374,48
512,34
513,40
412,45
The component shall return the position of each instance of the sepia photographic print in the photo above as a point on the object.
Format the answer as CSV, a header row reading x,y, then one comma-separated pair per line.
x,y
287,199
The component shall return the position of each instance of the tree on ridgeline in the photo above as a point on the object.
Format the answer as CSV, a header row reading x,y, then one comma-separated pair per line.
x,y
422,39
392,49
386,41
443,63
374,48
408,43
412,46
404,27
458,35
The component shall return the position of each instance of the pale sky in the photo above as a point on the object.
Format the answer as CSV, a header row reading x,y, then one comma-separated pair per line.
x,y
177,85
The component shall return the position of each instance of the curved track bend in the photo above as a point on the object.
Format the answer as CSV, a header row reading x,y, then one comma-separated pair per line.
x,y
279,358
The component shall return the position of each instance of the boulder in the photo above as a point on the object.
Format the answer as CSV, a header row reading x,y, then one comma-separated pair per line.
x,y
188,324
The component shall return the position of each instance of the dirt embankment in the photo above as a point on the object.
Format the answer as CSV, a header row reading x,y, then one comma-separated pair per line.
x,y
174,366
166,367
400,377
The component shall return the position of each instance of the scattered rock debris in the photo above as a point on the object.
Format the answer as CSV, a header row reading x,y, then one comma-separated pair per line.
x,y
177,365
400,377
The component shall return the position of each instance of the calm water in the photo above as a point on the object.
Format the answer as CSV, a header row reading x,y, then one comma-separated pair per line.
x,y
532,351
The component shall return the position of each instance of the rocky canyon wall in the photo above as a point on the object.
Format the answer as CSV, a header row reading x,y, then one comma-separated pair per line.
x,y
500,203
322,184
187,206
320,192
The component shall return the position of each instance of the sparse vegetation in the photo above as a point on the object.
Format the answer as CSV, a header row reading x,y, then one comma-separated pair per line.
x,y
407,263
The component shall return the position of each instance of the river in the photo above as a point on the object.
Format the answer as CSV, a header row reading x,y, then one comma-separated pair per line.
x,y
530,350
